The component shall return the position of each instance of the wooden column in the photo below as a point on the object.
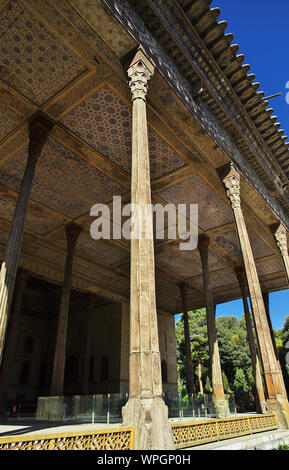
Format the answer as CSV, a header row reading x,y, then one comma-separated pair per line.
x,y
87,342
189,363
200,377
72,234
39,129
12,330
267,309
145,407
260,399
276,401
221,403
280,235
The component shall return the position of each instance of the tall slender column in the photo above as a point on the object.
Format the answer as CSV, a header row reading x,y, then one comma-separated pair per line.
x,y
260,402
189,363
87,342
39,129
12,329
280,235
267,310
276,401
72,234
221,403
124,349
200,377
145,407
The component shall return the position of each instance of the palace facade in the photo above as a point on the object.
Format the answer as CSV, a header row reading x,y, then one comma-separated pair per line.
x,y
147,100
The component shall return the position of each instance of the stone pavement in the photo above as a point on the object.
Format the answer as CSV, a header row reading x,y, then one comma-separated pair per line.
x,y
31,427
269,440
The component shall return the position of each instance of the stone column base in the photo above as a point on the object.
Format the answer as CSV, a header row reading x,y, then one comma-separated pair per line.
x,y
152,428
279,406
222,408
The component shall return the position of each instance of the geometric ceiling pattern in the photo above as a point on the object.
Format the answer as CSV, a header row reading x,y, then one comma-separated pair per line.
x,y
100,251
212,210
33,61
104,121
63,181
229,241
9,119
186,264
62,58
37,221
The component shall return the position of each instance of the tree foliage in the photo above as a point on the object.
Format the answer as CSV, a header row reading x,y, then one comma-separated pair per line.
x,y
234,355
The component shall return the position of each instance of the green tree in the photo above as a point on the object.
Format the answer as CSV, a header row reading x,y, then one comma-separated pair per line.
x,y
234,355
199,348
241,389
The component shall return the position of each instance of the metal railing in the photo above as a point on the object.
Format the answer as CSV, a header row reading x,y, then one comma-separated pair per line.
x,y
109,439
197,433
107,408
101,408
122,438
195,406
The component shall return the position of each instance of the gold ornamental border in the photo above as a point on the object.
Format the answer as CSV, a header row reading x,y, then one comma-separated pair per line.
x,y
192,434
121,438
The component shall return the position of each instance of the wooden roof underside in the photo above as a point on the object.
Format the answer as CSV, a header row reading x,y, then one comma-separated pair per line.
x,y
67,62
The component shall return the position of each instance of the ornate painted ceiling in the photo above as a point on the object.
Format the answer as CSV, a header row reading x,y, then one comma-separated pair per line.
x,y
64,58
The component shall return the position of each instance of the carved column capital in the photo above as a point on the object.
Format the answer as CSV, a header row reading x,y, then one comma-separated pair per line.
x,y
279,232
72,233
203,244
182,287
139,73
240,273
39,128
231,179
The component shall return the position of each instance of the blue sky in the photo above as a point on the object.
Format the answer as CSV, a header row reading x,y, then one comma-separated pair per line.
x,y
278,306
261,29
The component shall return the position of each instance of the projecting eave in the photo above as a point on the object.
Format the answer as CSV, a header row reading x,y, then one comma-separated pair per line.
x,y
251,101
191,36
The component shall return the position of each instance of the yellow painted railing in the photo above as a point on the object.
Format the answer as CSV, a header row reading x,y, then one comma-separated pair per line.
x,y
185,435
113,439
192,434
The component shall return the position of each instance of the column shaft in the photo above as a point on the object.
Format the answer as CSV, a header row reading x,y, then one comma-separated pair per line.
x,y
267,310
200,378
189,363
261,404
39,129
215,363
145,407
87,341
72,234
12,330
276,400
280,235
